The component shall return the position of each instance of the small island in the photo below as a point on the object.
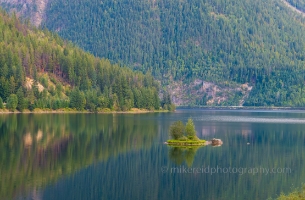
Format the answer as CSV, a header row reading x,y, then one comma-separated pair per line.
x,y
184,135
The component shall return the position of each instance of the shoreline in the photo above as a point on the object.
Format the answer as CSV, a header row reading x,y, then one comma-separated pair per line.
x,y
239,108
60,111
143,111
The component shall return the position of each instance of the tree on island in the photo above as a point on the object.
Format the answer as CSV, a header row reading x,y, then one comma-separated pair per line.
x,y
180,132
190,129
177,130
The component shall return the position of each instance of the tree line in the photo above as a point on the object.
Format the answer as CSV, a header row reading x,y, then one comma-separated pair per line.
x,y
38,69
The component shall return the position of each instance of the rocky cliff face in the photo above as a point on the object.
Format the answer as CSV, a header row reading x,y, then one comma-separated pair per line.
x,y
200,92
32,9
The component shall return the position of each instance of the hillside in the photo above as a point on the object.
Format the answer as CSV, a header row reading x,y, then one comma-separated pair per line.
x,y
298,4
39,70
225,43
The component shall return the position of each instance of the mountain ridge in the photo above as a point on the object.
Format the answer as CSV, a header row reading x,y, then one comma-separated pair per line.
x,y
238,42
39,70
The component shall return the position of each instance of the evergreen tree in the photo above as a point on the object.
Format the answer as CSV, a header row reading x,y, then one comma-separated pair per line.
x,y
21,100
190,129
77,99
1,103
26,60
12,102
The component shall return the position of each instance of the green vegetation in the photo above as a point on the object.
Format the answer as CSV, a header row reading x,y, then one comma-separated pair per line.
x,y
227,43
177,130
39,70
1,103
186,142
239,41
166,102
12,102
297,194
184,136
190,129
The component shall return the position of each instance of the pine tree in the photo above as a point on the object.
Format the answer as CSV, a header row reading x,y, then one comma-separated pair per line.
x,y
77,99
190,129
12,102
21,100
1,103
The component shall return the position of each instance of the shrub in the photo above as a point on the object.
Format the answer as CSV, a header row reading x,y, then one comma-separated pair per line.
x,y
177,130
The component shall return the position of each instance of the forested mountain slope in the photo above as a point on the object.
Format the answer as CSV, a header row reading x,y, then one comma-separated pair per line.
x,y
253,42
298,4
40,70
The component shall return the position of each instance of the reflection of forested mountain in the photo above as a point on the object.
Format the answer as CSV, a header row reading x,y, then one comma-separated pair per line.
x,y
138,175
38,149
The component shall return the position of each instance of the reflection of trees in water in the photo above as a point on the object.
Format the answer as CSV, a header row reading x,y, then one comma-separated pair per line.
x,y
138,175
36,149
180,154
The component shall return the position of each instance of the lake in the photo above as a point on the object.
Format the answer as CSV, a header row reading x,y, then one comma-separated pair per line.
x,y
123,156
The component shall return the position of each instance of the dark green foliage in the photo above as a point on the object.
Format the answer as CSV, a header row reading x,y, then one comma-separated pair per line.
x,y
167,102
77,99
12,102
243,41
103,102
1,103
180,132
26,52
176,130
4,87
190,129
21,100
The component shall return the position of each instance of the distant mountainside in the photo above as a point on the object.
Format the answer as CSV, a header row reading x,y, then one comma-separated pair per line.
x,y
238,52
298,4
40,70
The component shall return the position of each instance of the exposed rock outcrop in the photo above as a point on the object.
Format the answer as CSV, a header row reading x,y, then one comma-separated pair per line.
x,y
207,92
32,9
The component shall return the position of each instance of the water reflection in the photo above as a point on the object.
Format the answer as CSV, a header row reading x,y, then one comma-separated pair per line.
x,y
140,175
121,157
38,149
178,155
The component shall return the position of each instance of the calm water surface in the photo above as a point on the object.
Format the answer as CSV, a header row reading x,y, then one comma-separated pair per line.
x,y
122,156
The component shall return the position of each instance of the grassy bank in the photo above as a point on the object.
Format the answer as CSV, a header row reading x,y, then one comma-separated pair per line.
x,y
186,142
